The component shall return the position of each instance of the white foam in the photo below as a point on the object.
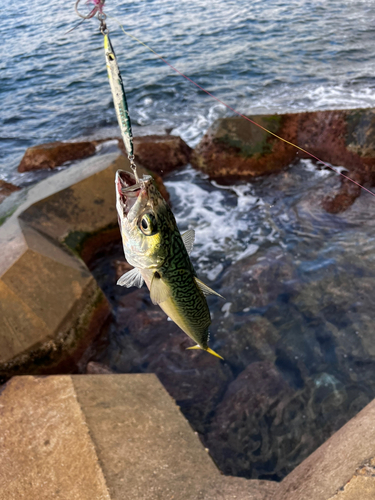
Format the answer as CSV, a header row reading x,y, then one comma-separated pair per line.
x,y
220,219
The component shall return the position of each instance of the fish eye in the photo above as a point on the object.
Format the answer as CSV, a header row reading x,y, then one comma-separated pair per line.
x,y
148,224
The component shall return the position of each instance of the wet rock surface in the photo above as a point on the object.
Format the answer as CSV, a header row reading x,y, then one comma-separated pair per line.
x,y
54,154
235,148
6,189
161,153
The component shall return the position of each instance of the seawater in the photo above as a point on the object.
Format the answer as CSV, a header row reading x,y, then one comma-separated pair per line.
x,y
295,328
259,57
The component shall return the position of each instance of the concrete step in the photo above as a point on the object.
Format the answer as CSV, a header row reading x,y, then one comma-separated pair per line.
x,y
106,437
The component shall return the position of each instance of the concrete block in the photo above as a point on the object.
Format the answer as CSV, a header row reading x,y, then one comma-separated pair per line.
x,y
99,437
341,469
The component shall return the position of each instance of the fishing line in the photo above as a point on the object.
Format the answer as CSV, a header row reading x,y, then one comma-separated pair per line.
x,y
235,111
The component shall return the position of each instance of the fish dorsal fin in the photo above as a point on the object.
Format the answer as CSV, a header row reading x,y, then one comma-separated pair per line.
x,y
131,278
159,291
206,290
188,239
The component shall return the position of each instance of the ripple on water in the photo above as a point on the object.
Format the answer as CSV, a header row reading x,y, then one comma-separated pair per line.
x,y
260,57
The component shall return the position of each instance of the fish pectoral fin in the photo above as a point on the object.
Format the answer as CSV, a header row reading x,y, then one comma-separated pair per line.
x,y
206,290
131,278
188,239
159,291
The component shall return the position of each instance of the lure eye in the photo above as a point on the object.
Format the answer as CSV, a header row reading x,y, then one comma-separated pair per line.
x,y
148,224
111,56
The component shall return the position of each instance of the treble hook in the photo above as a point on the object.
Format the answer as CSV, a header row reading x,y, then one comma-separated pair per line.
x,y
99,4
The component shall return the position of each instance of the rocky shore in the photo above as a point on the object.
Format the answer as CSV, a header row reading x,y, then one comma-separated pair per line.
x,y
249,410
233,148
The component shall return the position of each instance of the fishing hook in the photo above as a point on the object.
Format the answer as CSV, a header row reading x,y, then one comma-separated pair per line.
x,y
99,4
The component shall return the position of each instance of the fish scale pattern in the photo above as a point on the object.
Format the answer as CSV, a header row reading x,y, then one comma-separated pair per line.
x,y
178,272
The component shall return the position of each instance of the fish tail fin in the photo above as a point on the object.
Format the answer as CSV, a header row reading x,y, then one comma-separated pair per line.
x,y
214,353
194,347
208,350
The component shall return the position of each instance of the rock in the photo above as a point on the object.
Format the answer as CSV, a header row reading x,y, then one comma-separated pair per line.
x,y
54,154
242,438
51,307
343,197
241,330
160,153
252,282
6,189
235,148
94,368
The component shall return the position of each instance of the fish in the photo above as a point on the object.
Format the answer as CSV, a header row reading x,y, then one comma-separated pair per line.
x,y
159,254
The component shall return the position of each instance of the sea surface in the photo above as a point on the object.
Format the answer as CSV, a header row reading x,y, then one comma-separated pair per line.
x,y
259,57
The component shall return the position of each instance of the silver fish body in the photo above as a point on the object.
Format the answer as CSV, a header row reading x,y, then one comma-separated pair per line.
x,y
160,256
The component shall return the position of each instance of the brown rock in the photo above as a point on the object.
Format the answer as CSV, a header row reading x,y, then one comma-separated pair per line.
x,y
235,148
344,197
6,189
53,154
160,153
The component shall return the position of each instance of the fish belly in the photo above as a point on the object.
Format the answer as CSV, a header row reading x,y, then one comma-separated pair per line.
x,y
194,325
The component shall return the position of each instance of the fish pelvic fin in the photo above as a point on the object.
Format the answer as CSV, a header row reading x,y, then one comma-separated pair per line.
x,y
208,350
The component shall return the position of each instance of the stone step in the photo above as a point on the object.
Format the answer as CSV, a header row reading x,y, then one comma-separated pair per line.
x,y
106,437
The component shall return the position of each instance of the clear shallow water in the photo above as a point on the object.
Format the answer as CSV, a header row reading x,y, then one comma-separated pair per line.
x,y
295,328
259,57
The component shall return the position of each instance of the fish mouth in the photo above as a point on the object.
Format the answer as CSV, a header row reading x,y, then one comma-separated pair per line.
x,y
128,189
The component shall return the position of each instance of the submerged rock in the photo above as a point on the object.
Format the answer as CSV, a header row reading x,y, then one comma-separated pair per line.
x,y
54,154
235,148
7,189
241,439
93,368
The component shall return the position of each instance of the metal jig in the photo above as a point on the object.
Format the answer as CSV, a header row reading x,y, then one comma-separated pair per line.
x,y
115,80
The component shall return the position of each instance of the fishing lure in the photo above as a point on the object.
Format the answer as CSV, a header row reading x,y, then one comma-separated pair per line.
x,y
119,101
